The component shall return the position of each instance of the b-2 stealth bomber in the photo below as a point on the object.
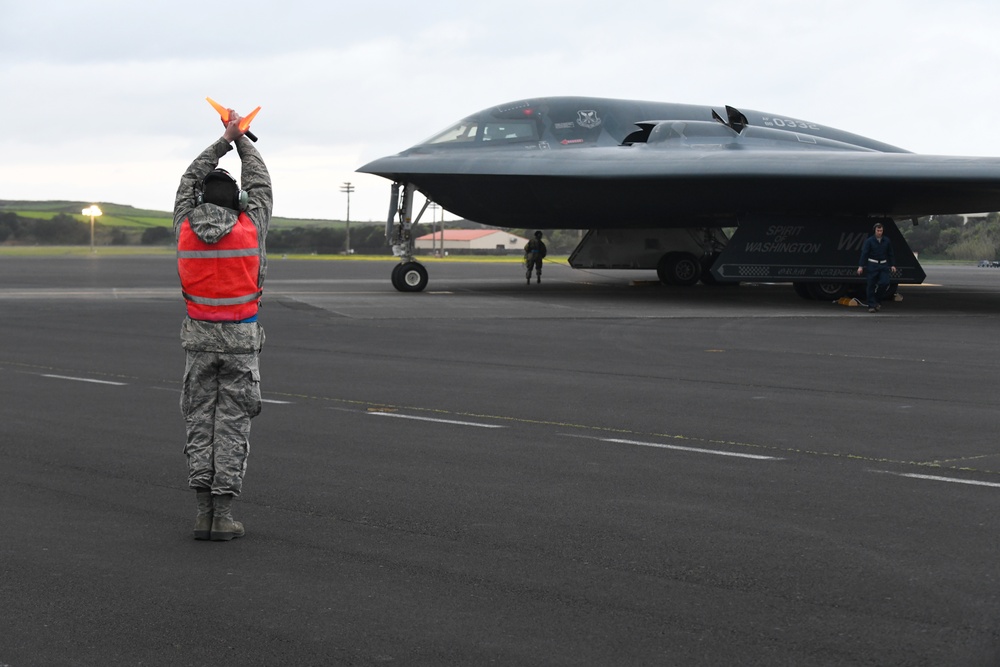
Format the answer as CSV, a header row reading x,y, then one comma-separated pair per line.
x,y
697,193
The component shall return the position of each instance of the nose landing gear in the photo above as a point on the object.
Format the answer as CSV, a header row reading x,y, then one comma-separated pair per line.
x,y
409,275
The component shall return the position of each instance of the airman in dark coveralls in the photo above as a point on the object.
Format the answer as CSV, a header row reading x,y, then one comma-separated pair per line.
x,y
879,261
220,232
534,253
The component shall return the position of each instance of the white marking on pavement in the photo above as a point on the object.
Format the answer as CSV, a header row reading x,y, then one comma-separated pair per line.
x,y
937,478
67,377
429,419
697,450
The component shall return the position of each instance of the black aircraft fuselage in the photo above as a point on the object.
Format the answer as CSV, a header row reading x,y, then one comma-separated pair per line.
x,y
604,164
581,162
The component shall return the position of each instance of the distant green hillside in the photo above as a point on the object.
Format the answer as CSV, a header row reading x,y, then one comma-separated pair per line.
x,y
121,215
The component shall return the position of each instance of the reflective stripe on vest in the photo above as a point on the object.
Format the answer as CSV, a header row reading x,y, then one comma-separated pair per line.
x,y
204,254
234,301
221,281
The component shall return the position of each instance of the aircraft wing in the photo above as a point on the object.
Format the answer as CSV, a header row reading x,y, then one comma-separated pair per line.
x,y
627,185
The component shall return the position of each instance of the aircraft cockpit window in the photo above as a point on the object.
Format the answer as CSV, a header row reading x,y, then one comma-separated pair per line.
x,y
495,131
510,131
688,132
460,132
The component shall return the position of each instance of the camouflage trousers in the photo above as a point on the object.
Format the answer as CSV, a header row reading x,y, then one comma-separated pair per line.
x,y
219,397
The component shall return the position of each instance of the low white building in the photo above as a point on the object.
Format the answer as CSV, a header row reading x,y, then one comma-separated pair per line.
x,y
471,240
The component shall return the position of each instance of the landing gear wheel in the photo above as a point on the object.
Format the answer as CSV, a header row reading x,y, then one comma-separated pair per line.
x,y
409,277
678,268
827,291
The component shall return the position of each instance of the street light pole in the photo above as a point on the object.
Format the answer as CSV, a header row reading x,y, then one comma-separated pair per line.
x,y
93,211
347,188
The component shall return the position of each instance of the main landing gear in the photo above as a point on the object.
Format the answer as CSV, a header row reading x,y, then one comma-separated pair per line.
x,y
679,268
409,275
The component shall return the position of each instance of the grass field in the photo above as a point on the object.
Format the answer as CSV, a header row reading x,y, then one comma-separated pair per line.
x,y
120,215
108,219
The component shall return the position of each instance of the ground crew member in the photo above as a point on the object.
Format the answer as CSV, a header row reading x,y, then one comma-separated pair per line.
x,y
220,231
534,253
879,261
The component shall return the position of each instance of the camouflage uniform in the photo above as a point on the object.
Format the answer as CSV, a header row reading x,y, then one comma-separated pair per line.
x,y
221,387
534,253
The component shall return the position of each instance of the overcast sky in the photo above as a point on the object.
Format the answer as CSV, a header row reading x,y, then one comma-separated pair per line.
x,y
104,101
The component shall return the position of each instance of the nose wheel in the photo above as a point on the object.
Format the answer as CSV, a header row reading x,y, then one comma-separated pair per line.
x,y
409,277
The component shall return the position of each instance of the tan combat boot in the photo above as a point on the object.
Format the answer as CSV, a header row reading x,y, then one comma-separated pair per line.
x,y
203,522
224,526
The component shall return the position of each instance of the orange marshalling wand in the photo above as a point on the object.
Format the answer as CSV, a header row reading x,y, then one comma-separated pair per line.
x,y
244,122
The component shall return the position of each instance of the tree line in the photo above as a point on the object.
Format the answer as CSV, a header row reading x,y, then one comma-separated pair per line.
x,y
65,229
954,237
935,237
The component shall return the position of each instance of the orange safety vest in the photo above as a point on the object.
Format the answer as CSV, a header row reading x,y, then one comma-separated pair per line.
x,y
220,281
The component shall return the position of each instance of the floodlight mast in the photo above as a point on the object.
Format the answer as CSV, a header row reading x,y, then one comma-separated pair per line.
x,y
347,188
93,211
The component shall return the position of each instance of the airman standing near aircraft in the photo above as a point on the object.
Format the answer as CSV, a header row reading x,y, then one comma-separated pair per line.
x,y
220,232
878,259
534,253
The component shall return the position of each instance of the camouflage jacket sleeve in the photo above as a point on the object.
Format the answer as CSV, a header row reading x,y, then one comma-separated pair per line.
x,y
257,182
185,201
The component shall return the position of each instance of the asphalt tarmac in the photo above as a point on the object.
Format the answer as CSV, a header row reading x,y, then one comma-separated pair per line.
x,y
596,470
